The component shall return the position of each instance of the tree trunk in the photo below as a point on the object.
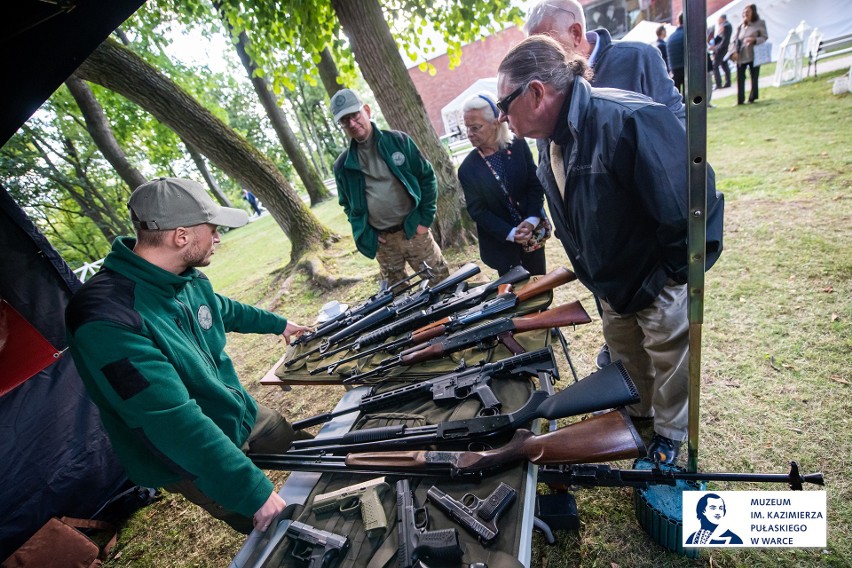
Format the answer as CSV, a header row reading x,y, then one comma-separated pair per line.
x,y
328,73
124,72
99,129
377,55
208,177
317,191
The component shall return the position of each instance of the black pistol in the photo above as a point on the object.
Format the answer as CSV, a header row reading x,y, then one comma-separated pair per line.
x,y
478,516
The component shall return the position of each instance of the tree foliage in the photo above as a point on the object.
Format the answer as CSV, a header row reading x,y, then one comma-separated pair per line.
x,y
54,170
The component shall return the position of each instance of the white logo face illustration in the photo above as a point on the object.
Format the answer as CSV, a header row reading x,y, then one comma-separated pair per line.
x,y
398,158
205,318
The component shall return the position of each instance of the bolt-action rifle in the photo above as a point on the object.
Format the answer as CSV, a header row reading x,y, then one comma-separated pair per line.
x,y
595,475
458,385
501,330
505,301
422,297
381,298
602,438
609,387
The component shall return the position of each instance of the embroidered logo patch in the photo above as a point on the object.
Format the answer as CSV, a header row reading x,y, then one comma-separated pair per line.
x,y
205,318
338,102
398,158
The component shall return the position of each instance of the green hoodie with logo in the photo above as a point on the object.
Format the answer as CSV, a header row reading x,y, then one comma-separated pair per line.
x,y
149,346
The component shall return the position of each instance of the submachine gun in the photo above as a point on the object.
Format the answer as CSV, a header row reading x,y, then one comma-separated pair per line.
x,y
500,330
609,387
422,297
438,323
458,385
346,318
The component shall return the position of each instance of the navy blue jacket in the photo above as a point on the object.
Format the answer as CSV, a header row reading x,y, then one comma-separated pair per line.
x,y
676,49
623,221
487,204
637,67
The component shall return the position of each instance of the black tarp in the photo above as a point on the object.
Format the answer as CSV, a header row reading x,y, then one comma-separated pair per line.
x,y
55,458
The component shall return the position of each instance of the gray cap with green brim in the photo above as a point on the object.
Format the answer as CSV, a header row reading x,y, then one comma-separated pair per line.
x,y
168,203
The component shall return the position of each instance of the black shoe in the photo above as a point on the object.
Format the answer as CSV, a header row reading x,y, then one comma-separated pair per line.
x,y
728,84
663,450
603,357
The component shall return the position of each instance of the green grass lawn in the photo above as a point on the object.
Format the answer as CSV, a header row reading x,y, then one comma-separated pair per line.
x,y
777,348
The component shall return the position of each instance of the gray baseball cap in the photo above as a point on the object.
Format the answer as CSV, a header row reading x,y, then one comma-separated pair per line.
x,y
169,203
344,102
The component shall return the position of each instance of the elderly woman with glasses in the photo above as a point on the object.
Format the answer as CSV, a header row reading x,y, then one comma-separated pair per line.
x,y
503,194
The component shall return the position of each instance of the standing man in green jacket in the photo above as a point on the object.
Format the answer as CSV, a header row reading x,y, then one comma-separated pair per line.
x,y
147,334
388,191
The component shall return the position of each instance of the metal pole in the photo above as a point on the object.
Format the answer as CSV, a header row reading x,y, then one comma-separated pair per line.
x,y
695,29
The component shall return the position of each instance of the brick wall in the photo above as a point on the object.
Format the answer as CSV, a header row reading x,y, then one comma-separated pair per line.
x,y
479,61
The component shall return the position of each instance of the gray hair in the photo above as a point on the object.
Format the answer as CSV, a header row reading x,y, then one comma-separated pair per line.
x,y
561,13
485,103
541,58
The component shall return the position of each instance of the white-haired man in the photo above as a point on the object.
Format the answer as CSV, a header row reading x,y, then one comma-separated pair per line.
x,y
627,65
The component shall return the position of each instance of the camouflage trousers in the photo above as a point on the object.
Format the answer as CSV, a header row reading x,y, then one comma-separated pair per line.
x,y
396,251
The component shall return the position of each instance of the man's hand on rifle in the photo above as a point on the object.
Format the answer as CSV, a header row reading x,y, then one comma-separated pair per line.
x,y
268,512
293,330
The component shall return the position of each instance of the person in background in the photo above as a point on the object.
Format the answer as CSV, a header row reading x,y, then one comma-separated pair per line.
x,y
677,55
661,44
619,207
252,201
751,32
504,196
148,334
628,65
388,191
721,43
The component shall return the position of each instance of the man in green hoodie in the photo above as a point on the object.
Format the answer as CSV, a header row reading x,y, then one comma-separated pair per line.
x,y
388,191
147,334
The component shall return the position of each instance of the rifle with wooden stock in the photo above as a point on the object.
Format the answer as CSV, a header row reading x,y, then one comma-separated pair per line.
x,y
609,387
505,301
605,437
501,330
459,385
422,297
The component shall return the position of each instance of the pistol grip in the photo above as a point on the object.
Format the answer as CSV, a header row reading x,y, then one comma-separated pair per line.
x,y
372,512
486,397
496,503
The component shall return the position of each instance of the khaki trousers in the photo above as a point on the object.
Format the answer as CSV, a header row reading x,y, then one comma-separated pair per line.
x,y
653,345
396,251
271,434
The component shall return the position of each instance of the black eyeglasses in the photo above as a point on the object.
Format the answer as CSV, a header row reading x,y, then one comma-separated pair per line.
x,y
503,104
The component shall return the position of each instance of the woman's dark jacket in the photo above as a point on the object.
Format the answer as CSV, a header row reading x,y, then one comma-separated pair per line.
x,y
487,204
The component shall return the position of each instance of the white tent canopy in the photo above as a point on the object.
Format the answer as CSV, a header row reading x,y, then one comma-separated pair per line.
x,y
451,114
646,31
